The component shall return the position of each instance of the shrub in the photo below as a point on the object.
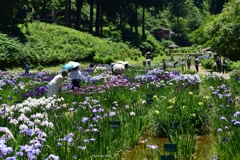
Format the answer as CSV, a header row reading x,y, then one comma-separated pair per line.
x,y
11,53
108,60
97,59
207,63
192,72
233,65
145,47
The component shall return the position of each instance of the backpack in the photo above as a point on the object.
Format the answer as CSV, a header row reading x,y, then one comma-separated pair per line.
x,y
197,61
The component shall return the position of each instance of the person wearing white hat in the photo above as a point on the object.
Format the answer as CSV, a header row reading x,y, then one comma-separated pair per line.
x,y
118,68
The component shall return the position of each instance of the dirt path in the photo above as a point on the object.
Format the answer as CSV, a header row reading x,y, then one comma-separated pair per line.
x,y
204,71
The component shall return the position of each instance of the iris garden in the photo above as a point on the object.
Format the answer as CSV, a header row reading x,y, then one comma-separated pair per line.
x,y
110,115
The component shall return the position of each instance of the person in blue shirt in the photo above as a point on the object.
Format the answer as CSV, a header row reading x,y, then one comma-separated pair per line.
x,y
26,67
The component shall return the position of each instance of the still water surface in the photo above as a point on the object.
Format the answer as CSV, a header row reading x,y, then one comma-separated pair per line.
x,y
142,152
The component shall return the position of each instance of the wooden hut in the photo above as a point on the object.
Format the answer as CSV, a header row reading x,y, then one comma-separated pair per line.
x,y
162,33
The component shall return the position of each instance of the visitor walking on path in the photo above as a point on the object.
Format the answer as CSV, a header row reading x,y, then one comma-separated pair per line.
x,y
54,86
203,71
196,62
188,62
224,65
183,64
219,64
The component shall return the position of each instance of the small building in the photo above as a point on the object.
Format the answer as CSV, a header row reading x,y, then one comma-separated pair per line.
x,y
162,33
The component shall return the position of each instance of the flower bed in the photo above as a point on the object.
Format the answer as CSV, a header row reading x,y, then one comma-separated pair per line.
x,y
91,122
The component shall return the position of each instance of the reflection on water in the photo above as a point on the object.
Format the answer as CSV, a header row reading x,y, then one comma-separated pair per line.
x,y
142,152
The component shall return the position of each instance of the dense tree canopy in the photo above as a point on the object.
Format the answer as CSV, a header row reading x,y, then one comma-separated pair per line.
x,y
182,17
221,32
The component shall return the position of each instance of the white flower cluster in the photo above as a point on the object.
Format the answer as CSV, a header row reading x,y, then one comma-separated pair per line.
x,y
31,104
213,76
7,133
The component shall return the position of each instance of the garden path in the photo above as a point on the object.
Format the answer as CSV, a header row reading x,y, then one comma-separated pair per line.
x,y
204,71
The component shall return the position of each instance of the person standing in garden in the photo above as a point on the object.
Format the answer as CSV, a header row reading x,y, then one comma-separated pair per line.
x,y
219,64
75,76
54,86
164,65
171,57
144,63
224,65
188,62
196,62
183,64
26,67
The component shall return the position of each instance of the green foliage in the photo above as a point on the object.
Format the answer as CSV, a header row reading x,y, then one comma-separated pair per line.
x,y
97,59
112,34
166,43
192,72
11,53
233,65
108,60
221,32
234,81
145,47
150,44
207,63
194,16
50,44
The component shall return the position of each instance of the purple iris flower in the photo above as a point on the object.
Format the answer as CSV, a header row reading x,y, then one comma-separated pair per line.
x,y
224,139
85,119
236,114
210,106
229,101
220,130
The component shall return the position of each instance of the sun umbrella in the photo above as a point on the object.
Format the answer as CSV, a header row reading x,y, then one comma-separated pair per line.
x,y
70,65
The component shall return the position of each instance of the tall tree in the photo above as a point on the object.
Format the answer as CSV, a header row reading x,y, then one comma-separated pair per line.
x,y
98,17
178,9
67,12
79,5
8,19
135,17
9,9
91,4
146,4
199,4
216,6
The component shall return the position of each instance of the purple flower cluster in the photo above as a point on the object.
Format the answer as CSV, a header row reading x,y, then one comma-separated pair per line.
x,y
32,150
37,92
4,149
113,82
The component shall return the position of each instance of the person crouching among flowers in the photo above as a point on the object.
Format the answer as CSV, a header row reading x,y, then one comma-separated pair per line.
x,y
54,86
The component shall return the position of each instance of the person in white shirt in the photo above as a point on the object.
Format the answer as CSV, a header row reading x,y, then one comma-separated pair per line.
x,y
54,86
118,69
75,76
